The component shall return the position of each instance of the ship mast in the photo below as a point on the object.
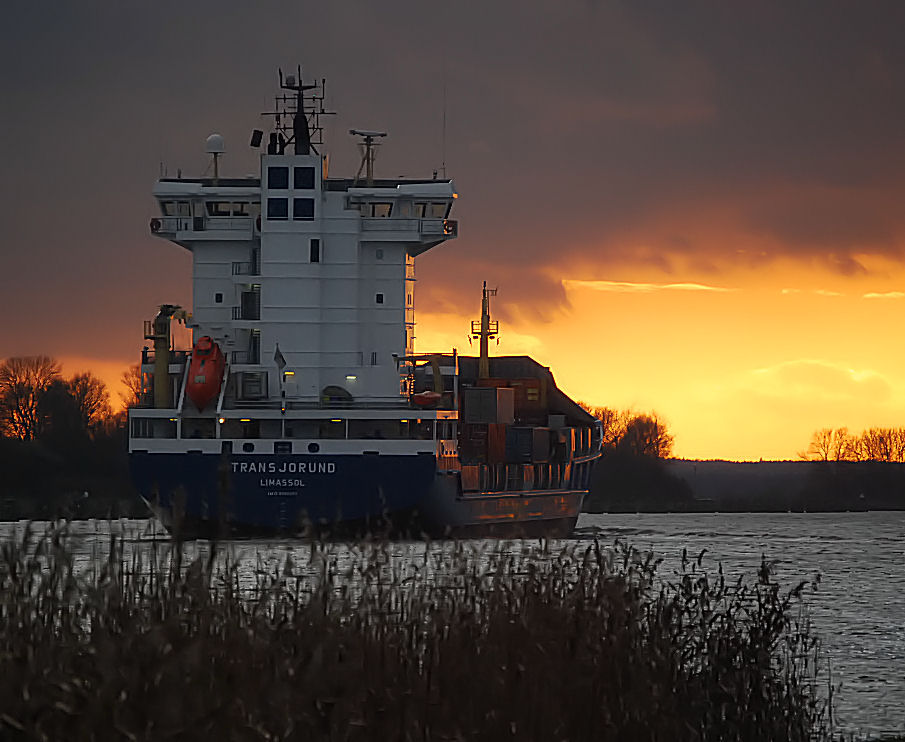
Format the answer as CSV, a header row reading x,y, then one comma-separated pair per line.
x,y
485,330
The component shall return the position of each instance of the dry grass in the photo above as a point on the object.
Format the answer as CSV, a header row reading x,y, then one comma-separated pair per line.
x,y
454,645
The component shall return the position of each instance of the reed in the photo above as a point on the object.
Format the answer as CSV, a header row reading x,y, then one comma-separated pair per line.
x,y
444,642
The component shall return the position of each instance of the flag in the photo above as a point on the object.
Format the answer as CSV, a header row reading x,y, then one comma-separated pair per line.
x,y
278,358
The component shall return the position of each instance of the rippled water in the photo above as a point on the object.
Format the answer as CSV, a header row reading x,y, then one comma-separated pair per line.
x,y
858,609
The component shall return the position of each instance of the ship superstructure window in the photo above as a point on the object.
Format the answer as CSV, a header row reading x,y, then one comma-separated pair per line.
x,y
379,209
218,208
277,208
379,298
438,211
303,178
380,253
315,251
277,177
176,208
303,209
218,298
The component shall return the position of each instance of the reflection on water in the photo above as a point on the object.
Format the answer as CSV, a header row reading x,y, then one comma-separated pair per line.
x,y
858,609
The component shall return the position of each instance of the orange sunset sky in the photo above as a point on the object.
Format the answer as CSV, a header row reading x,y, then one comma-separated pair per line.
x,y
688,208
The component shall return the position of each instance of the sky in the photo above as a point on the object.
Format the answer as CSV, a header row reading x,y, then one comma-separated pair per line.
x,y
689,208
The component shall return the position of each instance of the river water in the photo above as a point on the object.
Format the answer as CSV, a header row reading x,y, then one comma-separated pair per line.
x,y
858,609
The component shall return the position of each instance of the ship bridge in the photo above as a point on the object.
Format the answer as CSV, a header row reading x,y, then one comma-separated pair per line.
x,y
306,282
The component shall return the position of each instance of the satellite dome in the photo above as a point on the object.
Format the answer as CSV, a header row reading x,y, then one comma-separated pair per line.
x,y
214,145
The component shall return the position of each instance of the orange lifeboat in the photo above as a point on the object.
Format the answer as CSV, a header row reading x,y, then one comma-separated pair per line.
x,y
205,372
426,399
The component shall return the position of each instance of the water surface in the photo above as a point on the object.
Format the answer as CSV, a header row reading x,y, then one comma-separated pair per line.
x,y
858,609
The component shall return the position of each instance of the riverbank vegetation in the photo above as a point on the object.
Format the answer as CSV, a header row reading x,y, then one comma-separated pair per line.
x,y
62,444
377,642
873,444
632,475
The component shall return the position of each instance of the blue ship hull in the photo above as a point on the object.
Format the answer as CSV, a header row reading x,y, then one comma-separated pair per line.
x,y
236,494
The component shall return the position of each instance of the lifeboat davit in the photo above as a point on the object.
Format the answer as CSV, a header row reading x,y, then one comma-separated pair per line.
x,y
205,372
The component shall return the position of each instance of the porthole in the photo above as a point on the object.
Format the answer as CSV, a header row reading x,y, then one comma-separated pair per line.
x,y
248,447
314,447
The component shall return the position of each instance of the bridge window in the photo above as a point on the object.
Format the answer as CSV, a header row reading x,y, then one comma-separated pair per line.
x,y
277,208
419,209
168,208
303,178
381,210
218,208
303,209
278,177
438,210
240,208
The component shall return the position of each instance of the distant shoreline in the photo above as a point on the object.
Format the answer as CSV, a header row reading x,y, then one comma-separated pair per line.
x,y
689,485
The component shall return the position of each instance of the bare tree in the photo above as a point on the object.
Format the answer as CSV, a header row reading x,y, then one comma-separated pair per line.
x,y
821,446
829,444
873,444
23,380
131,379
646,435
638,434
92,399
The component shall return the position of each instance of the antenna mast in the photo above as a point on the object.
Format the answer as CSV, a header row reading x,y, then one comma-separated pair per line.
x,y
485,330
290,114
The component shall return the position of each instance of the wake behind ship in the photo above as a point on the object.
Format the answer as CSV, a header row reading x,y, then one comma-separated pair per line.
x,y
302,406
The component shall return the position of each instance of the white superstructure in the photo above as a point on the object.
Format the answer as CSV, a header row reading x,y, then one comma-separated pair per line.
x,y
306,283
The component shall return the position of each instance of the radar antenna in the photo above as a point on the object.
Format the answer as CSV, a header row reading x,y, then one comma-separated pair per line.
x,y
367,154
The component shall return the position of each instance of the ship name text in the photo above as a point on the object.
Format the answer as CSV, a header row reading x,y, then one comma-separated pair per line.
x,y
286,467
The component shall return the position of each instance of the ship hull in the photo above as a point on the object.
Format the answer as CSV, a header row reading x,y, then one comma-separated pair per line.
x,y
344,496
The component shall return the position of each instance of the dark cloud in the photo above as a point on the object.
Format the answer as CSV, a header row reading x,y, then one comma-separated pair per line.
x,y
588,134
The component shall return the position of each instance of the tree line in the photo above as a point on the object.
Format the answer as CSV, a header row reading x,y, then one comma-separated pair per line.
x,y
633,433
873,444
37,402
62,442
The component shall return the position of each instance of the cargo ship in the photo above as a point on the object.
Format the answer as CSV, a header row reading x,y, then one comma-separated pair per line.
x,y
301,406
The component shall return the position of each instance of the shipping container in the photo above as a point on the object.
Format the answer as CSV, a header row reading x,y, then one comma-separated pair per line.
x,y
473,442
556,421
488,405
496,443
530,398
519,444
542,444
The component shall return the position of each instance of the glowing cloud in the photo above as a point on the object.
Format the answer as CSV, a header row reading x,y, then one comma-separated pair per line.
x,y
885,295
626,287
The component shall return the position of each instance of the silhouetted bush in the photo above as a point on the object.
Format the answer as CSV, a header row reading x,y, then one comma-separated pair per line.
x,y
367,644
